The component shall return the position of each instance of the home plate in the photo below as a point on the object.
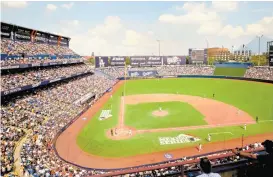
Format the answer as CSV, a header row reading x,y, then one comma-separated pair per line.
x,y
84,118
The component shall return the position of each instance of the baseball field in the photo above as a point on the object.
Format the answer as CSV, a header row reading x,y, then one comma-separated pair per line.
x,y
141,120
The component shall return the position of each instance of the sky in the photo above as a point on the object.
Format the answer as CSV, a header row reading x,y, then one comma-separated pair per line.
x,y
133,28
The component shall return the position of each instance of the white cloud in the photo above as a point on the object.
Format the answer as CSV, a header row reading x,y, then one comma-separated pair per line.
x,y
131,38
111,25
190,18
224,6
263,26
231,32
68,6
209,28
14,4
195,13
51,7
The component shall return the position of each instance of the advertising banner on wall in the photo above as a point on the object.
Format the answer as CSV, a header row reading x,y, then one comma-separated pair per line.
x,y
142,73
101,62
53,39
6,30
63,41
142,61
22,34
137,61
40,37
174,60
116,61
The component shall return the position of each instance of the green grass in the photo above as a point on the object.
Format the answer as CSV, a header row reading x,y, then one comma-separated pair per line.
x,y
219,71
179,114
252,97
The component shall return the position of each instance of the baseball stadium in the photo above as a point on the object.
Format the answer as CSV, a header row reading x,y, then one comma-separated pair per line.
x,y
149,116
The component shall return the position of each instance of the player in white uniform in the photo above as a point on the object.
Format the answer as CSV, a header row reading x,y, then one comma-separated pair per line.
x,y
200,147
244,126
209,137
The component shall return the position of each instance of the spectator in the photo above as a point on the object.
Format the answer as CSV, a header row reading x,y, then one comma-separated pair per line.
x,y
266,159
205,167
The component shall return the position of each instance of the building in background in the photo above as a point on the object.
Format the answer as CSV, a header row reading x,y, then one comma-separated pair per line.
x,y
218,53
243,54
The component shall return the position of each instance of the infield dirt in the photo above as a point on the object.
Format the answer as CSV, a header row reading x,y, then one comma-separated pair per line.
x,y
67,148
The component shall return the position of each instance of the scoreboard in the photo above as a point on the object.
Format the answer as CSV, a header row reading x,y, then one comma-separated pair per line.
x,y
270,57
198,56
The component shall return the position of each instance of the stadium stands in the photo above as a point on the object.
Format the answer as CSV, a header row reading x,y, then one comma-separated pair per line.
x,y
40,113
264,72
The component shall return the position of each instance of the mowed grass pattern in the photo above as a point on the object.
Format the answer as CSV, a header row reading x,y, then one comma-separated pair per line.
x,y
140,116
252,97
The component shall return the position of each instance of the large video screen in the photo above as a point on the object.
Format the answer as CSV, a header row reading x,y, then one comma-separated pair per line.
x,y
197,54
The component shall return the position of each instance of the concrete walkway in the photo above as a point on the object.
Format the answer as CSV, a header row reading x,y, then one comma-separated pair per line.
x,y
16,155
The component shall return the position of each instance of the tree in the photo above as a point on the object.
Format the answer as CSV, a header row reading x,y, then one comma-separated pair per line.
x,y
91,60
259,60
127,61
187,59
211,60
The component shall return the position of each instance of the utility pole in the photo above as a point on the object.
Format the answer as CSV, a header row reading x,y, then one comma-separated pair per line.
x,y
207,49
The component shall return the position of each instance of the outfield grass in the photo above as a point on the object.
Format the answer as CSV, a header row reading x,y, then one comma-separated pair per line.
x,y
180,114
254,98
219,71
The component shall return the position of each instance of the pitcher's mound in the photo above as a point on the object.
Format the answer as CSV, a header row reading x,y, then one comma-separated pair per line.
x,y
161,113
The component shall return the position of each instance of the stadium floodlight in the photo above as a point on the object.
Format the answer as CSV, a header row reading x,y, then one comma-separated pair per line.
x,y
158,46
260,46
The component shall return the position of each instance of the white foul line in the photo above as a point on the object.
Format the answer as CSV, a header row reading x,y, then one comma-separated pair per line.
x,y
265,121
220,133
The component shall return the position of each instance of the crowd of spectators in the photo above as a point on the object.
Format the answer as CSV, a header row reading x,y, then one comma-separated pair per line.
x,y
169,70
18,48
264,72
11,47
165,70
185,70
114,72
9,137
22,60
193,167
45,112
33,76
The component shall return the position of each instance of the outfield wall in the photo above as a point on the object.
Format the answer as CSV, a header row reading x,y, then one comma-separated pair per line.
x,y
200,76
162,164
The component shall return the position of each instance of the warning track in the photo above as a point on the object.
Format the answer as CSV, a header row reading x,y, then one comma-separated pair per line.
x,y
68,149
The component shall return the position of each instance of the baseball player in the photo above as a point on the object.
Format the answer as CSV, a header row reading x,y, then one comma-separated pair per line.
x,y
257,119
111,96
213,95
244,126
160,109
130,132
200,147
209,137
